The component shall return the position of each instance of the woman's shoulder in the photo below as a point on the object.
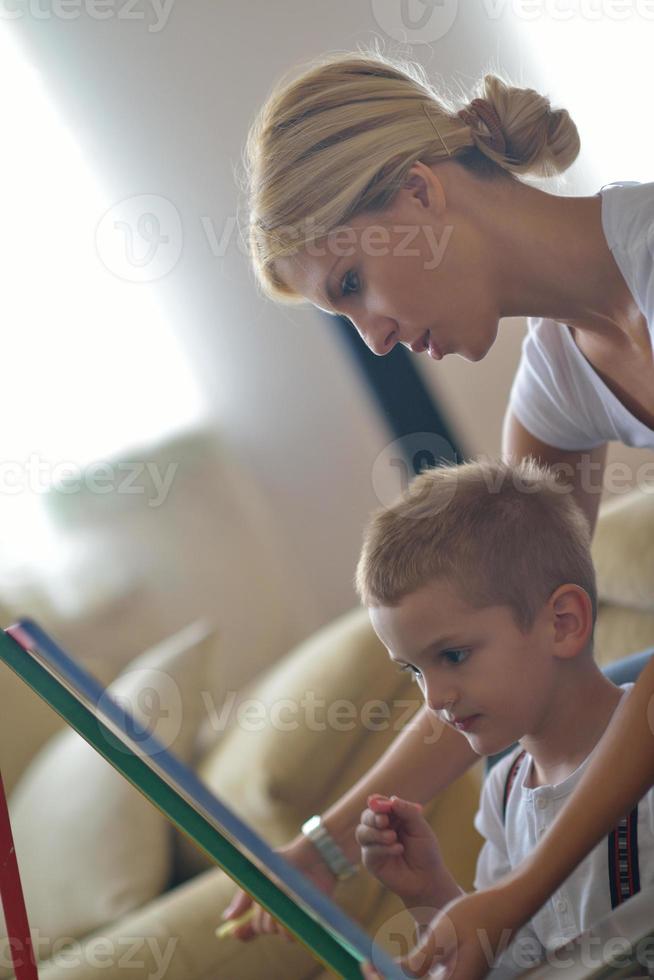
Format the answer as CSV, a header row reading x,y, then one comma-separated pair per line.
x,y
628,214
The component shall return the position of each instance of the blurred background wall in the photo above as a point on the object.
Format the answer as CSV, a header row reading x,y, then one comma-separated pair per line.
x,y
130,341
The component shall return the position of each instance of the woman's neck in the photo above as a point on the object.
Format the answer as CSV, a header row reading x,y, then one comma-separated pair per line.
x,y
550,255
568,273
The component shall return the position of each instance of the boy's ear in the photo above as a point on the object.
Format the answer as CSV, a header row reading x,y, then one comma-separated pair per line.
x,y
572,620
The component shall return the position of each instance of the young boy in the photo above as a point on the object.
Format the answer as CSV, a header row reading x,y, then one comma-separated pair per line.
x,y
479,581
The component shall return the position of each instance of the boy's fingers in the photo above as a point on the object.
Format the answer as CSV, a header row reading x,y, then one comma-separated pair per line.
x,y
375,855
369,972
405,806
375,835
409,813
379,804
371,818
239,904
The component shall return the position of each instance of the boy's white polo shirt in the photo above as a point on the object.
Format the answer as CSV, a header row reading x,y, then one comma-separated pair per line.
x,y
585,897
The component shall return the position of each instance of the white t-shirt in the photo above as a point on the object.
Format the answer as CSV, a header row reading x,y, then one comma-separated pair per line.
x,y
584,898
556,393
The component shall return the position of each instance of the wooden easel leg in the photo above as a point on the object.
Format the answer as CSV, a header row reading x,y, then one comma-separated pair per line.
x,y
13,902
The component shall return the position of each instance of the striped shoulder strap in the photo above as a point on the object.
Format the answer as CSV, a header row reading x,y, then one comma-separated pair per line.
x,y
624,865
510,779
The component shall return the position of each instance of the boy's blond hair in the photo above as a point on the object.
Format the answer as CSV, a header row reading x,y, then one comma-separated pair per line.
x,y
501,534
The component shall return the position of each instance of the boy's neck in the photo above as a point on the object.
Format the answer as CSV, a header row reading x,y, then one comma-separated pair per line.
x,y
582,709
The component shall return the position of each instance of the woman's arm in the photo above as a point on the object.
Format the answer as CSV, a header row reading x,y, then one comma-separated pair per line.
x,y
619,774
583,470
422,761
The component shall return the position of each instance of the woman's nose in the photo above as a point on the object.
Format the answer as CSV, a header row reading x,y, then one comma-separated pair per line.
x,y
380,337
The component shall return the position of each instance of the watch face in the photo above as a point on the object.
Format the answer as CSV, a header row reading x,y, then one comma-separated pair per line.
x,y
311,824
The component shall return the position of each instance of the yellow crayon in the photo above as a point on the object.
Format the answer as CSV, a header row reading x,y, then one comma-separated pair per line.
x,y
229,927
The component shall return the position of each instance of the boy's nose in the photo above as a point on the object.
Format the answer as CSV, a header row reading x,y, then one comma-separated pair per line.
x,y
444,703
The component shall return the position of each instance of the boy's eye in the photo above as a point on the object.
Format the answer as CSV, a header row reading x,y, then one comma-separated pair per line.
x,y
415,673
344,290
455,656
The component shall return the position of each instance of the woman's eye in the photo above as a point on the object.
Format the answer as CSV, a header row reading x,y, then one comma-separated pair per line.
x,y
455,656
344,289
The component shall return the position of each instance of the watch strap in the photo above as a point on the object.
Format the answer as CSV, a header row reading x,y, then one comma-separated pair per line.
x,y
334,858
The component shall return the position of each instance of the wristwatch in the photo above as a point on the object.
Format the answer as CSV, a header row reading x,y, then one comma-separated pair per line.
x,y
334,858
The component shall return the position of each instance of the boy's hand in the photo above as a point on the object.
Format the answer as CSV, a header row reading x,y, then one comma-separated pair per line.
x,y
464,939
399,847
303,855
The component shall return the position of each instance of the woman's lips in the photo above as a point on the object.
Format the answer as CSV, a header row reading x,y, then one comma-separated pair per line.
x,y
434,350
427,343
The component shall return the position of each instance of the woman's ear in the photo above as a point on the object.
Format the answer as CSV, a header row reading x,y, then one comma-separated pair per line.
x,y
571,615
421,184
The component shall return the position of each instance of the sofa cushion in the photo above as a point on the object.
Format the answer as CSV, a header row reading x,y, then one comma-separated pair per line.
x,y
623,552
90,847
307,728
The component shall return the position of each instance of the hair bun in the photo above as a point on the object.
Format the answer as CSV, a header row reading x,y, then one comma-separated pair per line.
x,y
481,109
539,140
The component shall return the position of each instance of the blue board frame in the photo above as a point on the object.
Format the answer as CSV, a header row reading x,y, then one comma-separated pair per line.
x,y
328,932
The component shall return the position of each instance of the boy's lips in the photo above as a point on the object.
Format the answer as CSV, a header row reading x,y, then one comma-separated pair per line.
x,y
465,723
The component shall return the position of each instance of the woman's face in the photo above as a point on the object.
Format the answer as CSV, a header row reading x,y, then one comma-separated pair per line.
x,y
422,272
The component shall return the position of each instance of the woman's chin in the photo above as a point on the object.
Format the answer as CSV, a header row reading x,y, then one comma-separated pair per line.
x,y
479,351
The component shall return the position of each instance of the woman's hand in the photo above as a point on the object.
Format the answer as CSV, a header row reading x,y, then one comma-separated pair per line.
x,y
400,849
464,939
301,854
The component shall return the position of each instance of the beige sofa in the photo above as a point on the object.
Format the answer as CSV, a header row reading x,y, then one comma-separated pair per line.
x,y
277,776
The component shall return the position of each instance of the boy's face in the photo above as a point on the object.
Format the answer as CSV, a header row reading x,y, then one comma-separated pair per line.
x,y
473,665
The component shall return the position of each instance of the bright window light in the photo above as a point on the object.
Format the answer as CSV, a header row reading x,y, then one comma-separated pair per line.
x,y
90,366
594,59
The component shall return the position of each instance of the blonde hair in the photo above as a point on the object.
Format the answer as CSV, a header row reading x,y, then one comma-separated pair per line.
x,y
499,533
340,139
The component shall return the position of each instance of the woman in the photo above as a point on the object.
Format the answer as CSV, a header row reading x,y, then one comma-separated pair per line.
x,y
372,198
